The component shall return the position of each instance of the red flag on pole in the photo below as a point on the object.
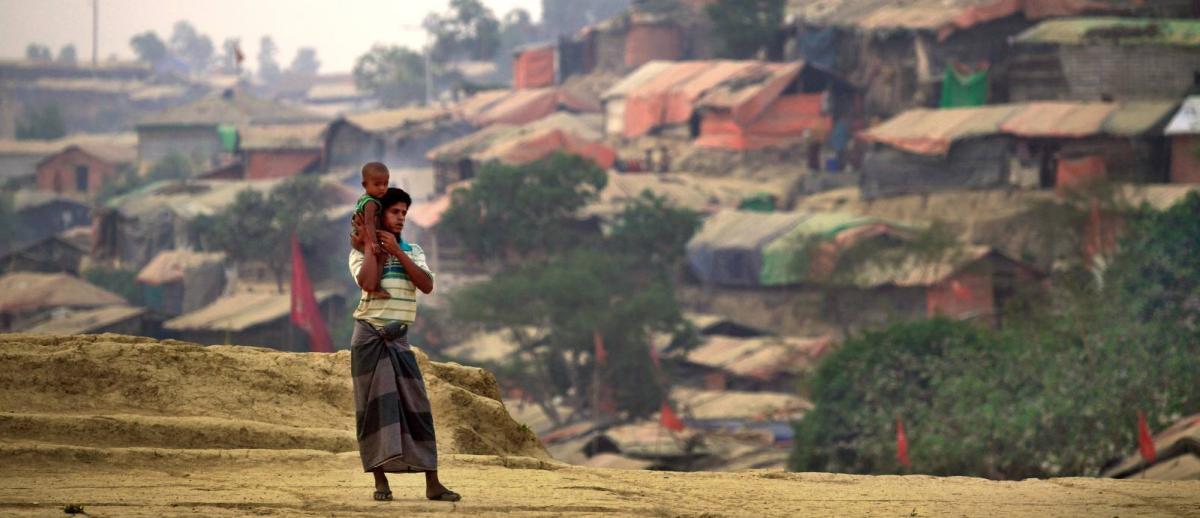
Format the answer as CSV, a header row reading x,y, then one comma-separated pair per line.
x,y
305,312
668,419
1145,442
598,342
902,444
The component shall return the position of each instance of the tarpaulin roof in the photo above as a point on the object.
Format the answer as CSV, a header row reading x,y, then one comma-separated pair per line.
x,y
381,121
635,79
236,108
808,252
1187,120
282,136
933,131
915,272
577,134
238,312
942,16
429,214
701,194
760,357
672,95
522,106
731,404
28,291
172,265
728,248
1177,457
87,320
1120,31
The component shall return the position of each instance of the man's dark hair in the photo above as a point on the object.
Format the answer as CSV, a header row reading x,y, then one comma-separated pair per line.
x,y
393,196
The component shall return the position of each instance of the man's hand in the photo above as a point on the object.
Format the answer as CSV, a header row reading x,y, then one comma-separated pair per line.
x,y
389,243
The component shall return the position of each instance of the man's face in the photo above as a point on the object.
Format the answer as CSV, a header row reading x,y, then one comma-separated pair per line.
x,y
393,217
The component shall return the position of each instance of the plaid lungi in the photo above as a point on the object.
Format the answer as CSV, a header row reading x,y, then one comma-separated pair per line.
x,y
392,413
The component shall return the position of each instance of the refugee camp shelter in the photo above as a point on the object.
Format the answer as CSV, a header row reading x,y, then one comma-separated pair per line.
x,y
30,298
85,168
576,134
968,282
42,214
280,150
1037,144
761,363
206,131
535,66
926,53
1177,455
181,281
252,318
522,106
52,254
1184,134
120,319
397,137
1106,58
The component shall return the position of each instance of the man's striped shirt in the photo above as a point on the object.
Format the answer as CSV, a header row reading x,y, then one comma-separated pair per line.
x,y
403,304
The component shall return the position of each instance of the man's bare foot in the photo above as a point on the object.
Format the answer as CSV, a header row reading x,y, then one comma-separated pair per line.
x,y
434,490
383,492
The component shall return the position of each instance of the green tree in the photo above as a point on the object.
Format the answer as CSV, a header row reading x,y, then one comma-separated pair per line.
x,y
512,214
67,54
469,30
268,66
747,28
149,47
259,228
38,52
305,63
1052,394
193,48
556,277
39,124
395,75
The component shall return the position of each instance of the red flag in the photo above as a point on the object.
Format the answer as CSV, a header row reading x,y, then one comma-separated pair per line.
x,y
601,354
902,444
1145,442
305,312
668,419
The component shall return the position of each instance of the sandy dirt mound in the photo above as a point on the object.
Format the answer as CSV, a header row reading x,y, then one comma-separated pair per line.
x,y
114,391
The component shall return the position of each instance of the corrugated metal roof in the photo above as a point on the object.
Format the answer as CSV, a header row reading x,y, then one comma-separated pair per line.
x,y
27,291
933,131
172,265
239,312
492,141
86,321
943,16
913,272
1059,119
1187,120
1111,30
282,136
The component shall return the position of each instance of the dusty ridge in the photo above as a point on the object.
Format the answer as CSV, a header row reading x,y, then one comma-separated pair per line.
x,y
114,391
133,427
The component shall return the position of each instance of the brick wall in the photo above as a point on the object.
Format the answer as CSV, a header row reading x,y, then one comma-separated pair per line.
x,y
1185,165
278,163
1127,72
58,173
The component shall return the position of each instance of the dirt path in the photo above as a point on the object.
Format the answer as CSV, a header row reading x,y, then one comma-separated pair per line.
x,y
39,480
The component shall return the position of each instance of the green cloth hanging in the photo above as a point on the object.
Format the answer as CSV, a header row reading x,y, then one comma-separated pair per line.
x,y
229,137
960,91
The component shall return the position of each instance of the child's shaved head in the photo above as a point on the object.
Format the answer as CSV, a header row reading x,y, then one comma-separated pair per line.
x,y
374,168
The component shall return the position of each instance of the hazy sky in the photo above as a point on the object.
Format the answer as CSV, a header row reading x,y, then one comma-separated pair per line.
x,y
339,30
